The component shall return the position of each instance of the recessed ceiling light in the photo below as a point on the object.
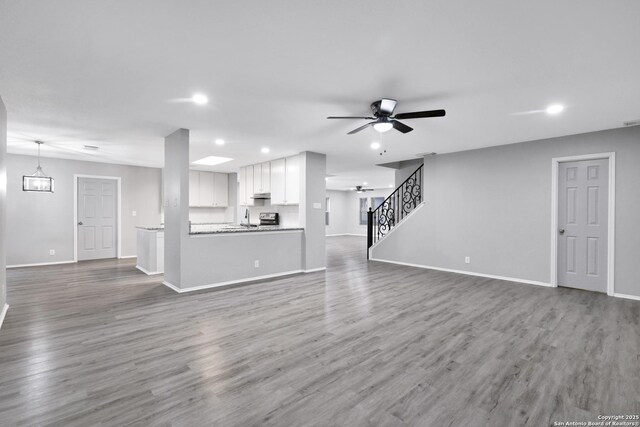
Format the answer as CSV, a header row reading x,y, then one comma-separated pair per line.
x,y
375,145
326,178
219,141
212,160
554,109
390,185
199,99
383,126
364,183
265,150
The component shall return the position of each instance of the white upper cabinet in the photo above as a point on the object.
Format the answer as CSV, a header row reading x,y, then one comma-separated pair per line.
x,y
257,178
249,186
194,188
279,177
292,180
242,188
220,190
266,177
208,189
278,193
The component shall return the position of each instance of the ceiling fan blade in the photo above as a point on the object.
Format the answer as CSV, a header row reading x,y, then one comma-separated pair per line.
x,y
420,114
360,128
401,126
345,117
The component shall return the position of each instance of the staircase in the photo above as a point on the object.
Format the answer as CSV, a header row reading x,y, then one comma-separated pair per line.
x,y
395,208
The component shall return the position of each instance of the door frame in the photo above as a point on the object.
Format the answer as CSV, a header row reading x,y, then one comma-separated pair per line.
x,y
118,180
555,165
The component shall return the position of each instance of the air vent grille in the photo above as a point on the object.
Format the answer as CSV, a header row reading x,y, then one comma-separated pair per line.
x,y
632,123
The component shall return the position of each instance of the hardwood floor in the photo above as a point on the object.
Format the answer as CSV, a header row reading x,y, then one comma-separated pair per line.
x,y
99,343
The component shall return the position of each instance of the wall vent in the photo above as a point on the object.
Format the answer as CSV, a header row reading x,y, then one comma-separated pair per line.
x,y
91,147
632,123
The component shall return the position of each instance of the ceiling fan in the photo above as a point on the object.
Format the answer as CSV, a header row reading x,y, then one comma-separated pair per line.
x,y
384,120
361,189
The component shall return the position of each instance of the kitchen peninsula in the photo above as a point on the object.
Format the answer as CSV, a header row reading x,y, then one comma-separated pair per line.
x,y
199,257
150,241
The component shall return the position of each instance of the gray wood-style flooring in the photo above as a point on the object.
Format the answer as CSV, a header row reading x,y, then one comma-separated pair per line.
x,y
99,343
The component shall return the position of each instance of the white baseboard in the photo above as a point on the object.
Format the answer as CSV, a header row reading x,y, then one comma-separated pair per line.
x,y
39,264
633,297
314,270
4,313
345,234
469,273
149,273
237,282
128,256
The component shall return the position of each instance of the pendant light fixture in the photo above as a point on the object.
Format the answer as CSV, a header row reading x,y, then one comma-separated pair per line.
x,y
38,182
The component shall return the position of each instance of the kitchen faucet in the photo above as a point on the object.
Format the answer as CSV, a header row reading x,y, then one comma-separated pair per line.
x,y
247,216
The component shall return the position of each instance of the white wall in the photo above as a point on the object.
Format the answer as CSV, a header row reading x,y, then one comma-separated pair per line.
x,y
3,205
40,222
338,212
494,205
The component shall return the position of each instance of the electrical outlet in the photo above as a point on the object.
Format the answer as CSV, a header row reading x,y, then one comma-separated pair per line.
x,y
256,264
134,213
467,260
52,251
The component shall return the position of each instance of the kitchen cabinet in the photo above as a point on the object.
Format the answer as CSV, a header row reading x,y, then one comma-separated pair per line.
x,y
220,190
292,180
208,189
285,181
266,177
278,194
249,186
280,178
242,187
257,178
262,177
205,190
194,188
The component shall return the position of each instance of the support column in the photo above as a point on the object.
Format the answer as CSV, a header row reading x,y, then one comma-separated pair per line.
x,y
3,210
176,204
313,197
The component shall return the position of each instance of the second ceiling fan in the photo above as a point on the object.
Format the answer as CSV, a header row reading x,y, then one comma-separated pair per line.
x,y
384,120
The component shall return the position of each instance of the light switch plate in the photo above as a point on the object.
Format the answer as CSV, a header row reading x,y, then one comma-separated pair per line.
x,y
317,206
134,213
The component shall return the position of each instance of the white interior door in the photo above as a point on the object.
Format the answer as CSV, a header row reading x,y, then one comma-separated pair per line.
x,y
583,195
97,222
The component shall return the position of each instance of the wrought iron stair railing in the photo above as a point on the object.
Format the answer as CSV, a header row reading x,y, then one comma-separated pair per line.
x,y
395,208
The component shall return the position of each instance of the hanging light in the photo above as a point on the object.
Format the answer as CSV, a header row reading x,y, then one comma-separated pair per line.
x,y
37,182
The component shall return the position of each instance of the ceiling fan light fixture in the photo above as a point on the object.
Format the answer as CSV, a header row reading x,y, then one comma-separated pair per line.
x,y
383,126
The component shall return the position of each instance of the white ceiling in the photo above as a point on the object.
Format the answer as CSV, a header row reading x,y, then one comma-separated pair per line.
x,y
116,75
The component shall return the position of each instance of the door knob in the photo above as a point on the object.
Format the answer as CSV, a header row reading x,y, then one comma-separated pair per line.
x,y
561,231
80,223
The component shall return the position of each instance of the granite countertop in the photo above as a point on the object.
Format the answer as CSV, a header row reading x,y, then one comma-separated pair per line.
x,y
234,228
217,228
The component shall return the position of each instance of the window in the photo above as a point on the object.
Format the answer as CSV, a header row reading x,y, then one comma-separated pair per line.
x,y
376,201
327,210
364,207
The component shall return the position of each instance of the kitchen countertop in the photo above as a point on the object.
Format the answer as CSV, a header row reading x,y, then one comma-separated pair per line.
x,y
211,228
234,228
